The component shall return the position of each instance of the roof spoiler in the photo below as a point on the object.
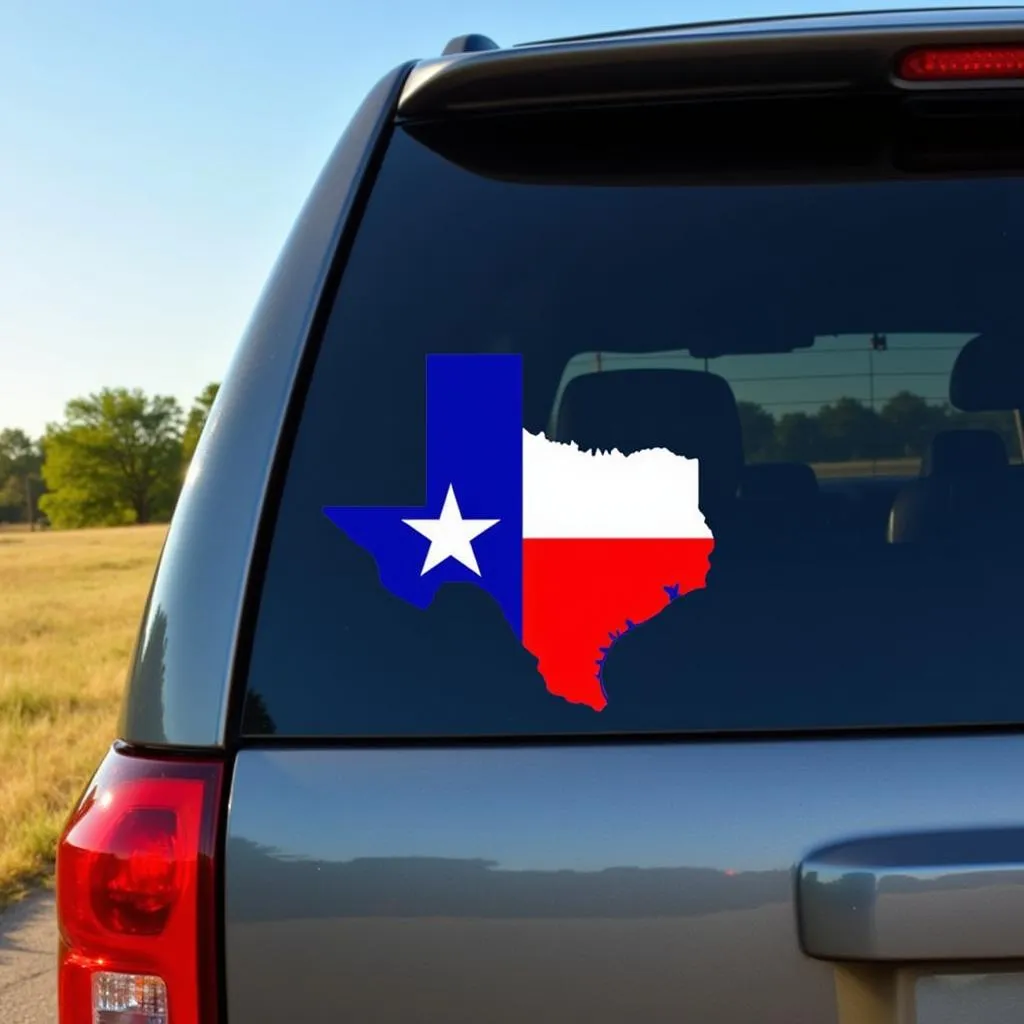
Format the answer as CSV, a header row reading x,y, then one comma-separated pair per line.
x,y
824,55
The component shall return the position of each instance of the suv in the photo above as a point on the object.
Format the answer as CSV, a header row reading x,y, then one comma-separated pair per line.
x,y
597,592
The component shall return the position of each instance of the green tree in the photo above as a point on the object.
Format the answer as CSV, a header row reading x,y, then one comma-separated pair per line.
x,y
849,430
758,426
116,459
798,437
197,417
20,483
910,423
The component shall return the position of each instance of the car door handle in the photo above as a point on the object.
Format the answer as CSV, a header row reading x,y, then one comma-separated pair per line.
x,y
915,897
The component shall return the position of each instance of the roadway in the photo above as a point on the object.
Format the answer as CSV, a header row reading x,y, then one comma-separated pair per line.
x,y
28,960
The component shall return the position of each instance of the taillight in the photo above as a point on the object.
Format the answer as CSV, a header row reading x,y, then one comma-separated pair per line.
x,y
963,64
135,895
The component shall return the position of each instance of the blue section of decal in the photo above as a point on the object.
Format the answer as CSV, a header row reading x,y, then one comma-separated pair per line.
x,y
474,438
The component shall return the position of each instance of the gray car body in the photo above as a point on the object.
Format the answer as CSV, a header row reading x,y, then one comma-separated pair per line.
x,y
473,882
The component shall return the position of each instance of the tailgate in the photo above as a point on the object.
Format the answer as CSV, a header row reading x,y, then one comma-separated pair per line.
x,y
609,883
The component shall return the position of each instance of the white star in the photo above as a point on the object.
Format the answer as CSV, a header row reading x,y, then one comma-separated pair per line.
x,y
450,535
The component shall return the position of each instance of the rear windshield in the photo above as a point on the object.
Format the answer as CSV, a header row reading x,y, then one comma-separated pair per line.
x,y
660,422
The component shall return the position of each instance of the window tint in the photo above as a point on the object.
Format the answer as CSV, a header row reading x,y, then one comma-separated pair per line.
x,y
835,336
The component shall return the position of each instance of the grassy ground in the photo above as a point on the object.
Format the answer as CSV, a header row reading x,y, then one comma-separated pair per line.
x,y
70,604
867,467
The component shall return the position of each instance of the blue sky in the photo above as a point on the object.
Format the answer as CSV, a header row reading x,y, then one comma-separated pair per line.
x,y
156,152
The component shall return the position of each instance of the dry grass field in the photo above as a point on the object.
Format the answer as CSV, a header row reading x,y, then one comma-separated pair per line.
x,y
70,604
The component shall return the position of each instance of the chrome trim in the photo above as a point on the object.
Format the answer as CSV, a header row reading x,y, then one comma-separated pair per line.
x,y
892,897
178,686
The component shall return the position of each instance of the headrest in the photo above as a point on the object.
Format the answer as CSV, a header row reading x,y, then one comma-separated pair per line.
x,y
988,375
689,412
779,481
962,452
983,512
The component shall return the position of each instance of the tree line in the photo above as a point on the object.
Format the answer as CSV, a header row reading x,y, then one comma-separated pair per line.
x,y
119,456
848,430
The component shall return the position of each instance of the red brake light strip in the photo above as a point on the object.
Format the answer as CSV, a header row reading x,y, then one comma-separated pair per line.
x,y
963,64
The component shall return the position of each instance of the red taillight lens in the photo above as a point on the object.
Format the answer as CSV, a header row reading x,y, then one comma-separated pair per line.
x,y
135,886
135,895
964,64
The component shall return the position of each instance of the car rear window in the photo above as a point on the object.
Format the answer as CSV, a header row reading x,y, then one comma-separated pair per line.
x,y
826,317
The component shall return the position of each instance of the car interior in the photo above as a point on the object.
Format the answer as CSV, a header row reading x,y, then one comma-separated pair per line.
x,y
966,481
906,576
